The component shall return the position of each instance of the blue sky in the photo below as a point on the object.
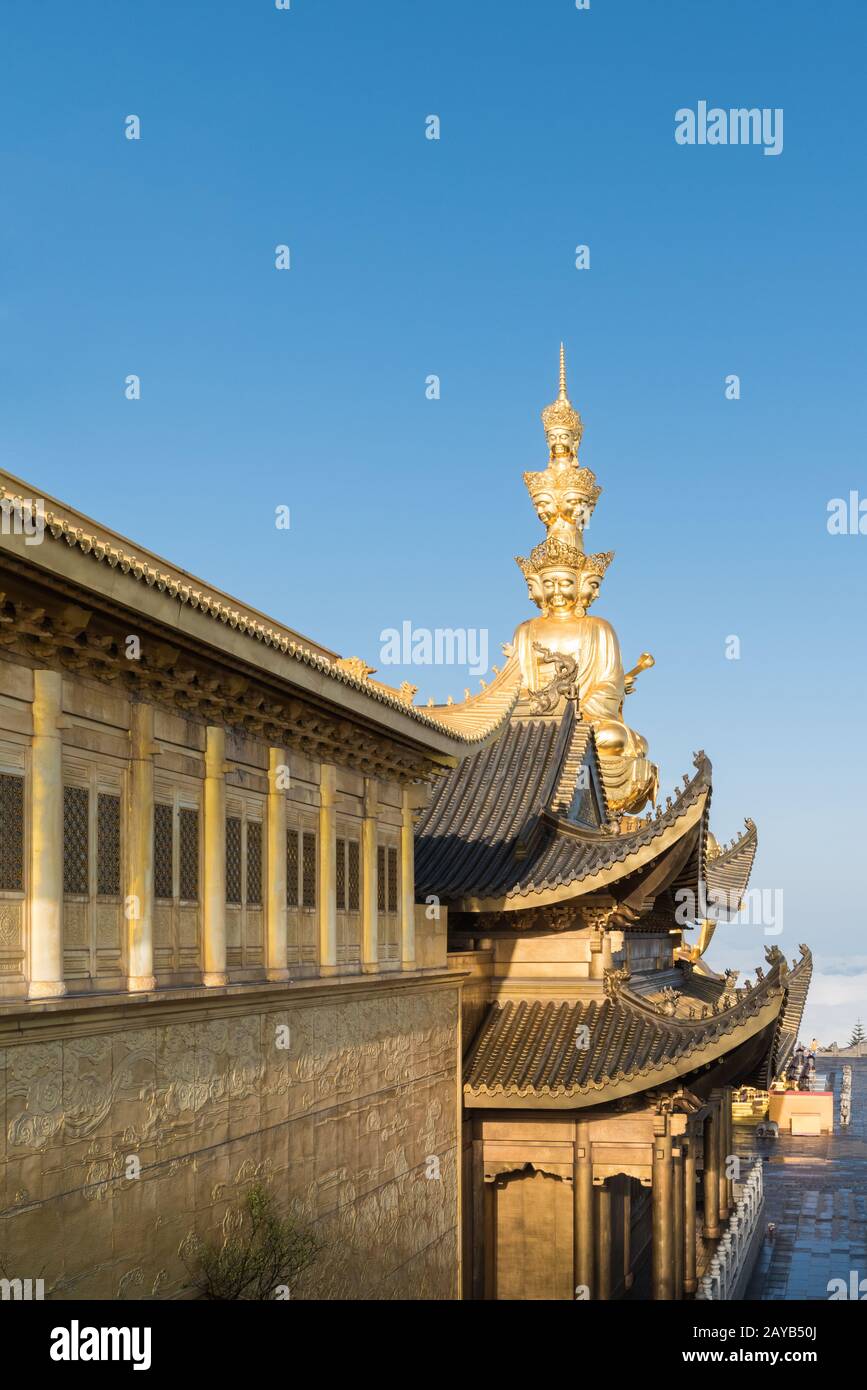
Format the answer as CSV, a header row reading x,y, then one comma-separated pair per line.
x,y
410,257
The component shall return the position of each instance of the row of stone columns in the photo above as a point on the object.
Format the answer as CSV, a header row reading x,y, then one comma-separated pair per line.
x,y
673,1208
718,1182
673,1200
46,842
592,1225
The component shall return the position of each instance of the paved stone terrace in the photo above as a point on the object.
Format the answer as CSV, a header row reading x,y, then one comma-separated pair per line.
x,y
816,1193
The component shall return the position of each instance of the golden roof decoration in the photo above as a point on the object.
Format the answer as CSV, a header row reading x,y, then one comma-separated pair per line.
x,y
355,666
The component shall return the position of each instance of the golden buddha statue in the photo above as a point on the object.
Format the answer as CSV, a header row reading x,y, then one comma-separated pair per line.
x,y
564,582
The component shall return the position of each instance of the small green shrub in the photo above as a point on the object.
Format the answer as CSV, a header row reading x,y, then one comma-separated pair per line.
x,y
261,1260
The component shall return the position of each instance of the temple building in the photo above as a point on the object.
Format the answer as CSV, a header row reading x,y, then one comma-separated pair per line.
x,y
600,1051
212,969
432,974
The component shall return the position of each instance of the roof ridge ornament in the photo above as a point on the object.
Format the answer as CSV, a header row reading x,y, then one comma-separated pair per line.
x,y
563,686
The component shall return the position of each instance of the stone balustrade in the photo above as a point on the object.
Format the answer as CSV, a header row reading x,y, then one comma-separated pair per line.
x,y
736,1241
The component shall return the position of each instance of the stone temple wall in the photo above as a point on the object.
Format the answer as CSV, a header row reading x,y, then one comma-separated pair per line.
x,y
342,1124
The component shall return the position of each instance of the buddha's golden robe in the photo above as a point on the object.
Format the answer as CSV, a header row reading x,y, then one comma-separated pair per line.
x,y
592,643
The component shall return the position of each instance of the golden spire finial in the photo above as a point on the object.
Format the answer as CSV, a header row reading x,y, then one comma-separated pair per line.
x,y
561,420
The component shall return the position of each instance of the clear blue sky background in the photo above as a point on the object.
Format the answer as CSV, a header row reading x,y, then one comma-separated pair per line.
x,y
409,257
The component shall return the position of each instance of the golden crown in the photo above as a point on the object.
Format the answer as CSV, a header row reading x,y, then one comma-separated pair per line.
x,y
561,414
597,564
553,552
557,554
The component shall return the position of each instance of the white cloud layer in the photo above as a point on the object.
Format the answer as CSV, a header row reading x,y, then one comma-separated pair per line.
x,y
838,991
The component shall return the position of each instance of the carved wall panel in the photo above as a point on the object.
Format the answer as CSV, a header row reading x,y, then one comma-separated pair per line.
x,y
254,928
74,925
10,924
189,935
162,927
233,935
352,1126
108,925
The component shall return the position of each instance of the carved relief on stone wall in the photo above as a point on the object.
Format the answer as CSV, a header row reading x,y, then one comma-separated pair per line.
x,y
343,1109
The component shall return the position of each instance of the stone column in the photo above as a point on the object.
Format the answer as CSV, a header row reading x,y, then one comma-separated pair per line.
x,y
723,1132
46,839
478,1195
582,1196
662,1274
369,918
627,1235
139,904
214,875
730,1148
603,1242
407,882
689,1251
275,890
327,849
711,1227
678,1219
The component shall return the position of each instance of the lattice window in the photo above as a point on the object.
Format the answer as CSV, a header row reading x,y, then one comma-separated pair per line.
x,y
108,845
308,852
341,875
254,863
163,851
11,833
189,854
292,862
380,878
76,804
233,860
392,879
353,871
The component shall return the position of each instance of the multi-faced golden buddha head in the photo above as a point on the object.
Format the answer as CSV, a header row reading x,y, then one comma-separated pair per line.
x,y
560,580
563,494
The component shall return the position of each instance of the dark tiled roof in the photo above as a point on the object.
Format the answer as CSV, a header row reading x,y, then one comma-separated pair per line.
x,y
496,826
729,874
528,1048
479,814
